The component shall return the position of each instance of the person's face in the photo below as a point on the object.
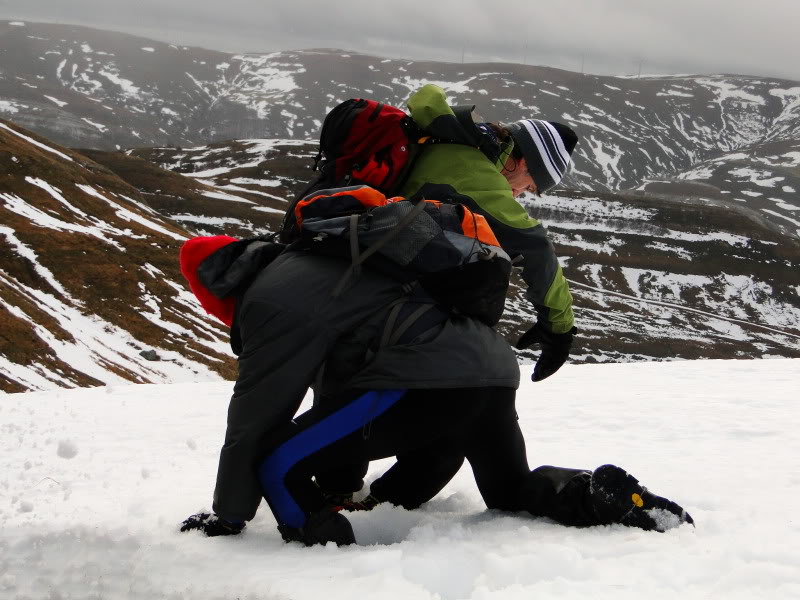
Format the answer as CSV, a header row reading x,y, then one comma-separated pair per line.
x,y
518,178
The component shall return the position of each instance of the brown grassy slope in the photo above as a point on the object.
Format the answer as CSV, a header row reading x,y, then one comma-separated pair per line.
x,y
165,176
177,196
100,279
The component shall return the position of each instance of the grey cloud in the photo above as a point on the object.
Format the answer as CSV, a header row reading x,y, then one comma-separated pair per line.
x,y
606,36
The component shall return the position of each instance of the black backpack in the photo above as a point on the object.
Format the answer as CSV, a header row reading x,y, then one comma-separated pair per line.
x,y
432,239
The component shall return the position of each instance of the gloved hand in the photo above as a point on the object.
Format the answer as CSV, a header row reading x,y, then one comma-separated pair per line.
x,y
211,525
555,349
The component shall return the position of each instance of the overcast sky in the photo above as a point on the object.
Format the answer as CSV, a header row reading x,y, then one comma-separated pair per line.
x,y
603,36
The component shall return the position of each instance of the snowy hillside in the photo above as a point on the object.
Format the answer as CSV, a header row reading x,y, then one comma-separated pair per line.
x,y
89,88
90,288
736,273
94,482
679,227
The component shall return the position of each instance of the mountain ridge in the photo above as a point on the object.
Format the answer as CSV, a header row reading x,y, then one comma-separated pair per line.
x,y
83,88
679,226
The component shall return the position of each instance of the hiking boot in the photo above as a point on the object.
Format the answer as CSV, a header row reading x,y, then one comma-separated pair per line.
x,y
320,528
367,503
337,498
618,497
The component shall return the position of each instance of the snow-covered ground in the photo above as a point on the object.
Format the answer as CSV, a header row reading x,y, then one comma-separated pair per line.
x,y
94,482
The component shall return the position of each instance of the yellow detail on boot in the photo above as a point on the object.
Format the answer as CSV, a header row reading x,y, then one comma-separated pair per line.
x,y
637,500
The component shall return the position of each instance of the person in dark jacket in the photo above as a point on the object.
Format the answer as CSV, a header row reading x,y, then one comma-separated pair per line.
x,y
289,330
445,383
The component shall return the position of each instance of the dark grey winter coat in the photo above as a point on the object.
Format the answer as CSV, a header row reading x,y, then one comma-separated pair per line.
x,y
289,325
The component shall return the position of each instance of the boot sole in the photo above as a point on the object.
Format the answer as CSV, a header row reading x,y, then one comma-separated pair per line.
x,y
618,497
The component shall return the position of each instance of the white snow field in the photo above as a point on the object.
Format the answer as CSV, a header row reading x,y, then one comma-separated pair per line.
x,y
94,483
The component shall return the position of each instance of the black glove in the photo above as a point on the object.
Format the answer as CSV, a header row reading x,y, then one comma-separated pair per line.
x,y
555,349
211,525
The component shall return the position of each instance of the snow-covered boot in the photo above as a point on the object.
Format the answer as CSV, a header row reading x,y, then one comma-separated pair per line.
x,y
320,528
618,497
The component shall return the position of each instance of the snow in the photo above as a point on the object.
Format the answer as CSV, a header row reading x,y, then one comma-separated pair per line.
x,y
672,92
128,88
28,253
130,216
794,158
608,161
9,107
39,218
102,128
261,182
756,177
224,196
203,220
93,483
93,346
730,91
60,103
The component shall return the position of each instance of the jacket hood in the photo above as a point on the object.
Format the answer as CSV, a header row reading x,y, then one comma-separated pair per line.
x,y
219,268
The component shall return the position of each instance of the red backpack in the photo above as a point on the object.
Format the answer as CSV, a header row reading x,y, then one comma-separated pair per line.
x,y
363,142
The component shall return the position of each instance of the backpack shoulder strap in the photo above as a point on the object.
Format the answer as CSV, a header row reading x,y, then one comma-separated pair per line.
x,y
358,257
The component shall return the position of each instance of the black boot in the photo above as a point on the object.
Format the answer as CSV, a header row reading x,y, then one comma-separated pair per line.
x,y
320,528
618,497
337,498
367,503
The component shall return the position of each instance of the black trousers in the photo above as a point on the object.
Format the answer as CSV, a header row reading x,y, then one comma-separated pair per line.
x,y
431,432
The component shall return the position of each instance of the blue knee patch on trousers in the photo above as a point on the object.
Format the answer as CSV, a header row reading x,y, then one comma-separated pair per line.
x,y
343,422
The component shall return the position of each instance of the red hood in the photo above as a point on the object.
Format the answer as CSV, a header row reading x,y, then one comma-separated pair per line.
x,y
194,252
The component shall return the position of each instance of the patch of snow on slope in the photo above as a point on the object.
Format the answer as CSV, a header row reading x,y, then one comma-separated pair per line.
x,y
130,216
224,196
60,103
756,177
102,128
260,182
727,91
7,106
127,86
40,218
28,254
607,157
35,143
97,348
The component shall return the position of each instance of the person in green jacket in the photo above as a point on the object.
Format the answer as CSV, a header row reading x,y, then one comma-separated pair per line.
x,y
490,166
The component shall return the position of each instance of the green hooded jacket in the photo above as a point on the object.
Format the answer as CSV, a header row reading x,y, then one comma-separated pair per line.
x,y
473,175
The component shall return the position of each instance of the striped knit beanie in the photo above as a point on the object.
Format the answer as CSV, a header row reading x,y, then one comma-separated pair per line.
x,y
546,147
